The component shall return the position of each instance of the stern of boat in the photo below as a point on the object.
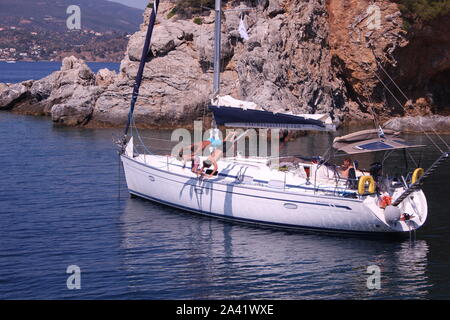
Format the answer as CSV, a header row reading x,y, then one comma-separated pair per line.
x,y
408,215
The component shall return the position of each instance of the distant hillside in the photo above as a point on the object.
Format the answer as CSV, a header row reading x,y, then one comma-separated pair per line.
x,y
98,15
35,30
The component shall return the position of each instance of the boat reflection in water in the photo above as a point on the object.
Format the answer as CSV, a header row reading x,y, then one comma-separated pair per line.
x,y
171,254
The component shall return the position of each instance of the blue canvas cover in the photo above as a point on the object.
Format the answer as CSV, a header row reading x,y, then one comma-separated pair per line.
x,y
249,118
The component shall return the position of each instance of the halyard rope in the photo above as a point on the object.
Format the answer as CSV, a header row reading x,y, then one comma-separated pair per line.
x,y
407,99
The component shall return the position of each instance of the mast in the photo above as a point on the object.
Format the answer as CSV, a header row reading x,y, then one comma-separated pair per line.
x,y
140,72
217,43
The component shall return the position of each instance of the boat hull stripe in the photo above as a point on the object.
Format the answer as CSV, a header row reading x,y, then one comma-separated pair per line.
x,y
250,221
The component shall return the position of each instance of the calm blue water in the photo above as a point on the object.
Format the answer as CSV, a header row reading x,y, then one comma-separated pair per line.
x,y
60,206
21,71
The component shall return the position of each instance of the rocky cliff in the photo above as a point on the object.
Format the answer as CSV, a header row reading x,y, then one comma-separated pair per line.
x,y
303,56
68,95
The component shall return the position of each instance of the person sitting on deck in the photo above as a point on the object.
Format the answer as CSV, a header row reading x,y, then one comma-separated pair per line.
x,y
345,168
212,160
348,171
193,154
215,155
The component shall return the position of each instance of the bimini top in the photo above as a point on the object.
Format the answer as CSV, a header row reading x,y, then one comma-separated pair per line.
x,y
371,141
231,112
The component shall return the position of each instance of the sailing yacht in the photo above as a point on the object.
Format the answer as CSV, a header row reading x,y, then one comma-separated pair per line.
x,y
304,194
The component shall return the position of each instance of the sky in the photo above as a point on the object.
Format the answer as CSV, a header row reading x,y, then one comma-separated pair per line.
x,y
133,3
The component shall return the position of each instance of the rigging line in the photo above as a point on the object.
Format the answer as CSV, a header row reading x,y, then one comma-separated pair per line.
x,y
161,149
139,136
204,114
439,136
395,98
407,99
327,155
373,112
159,139
392,80
386,156
376,122
375,117
118,182
412,158
387,88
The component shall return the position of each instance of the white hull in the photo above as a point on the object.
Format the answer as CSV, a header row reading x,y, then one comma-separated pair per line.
x,y
163,180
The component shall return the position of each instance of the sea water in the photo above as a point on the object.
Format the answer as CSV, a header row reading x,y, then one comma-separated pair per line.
x,y
64,203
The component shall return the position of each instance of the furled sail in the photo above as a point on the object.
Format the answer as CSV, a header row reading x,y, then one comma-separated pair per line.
x,y
232,112
140,72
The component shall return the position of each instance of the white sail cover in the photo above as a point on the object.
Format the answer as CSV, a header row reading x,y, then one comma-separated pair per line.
x,y
229,101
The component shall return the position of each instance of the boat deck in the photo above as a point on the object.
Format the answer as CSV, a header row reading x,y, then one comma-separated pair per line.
x,y
255,172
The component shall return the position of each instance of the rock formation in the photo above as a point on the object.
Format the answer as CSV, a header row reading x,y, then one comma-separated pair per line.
x,y
364,34
413,124
304,56
424,67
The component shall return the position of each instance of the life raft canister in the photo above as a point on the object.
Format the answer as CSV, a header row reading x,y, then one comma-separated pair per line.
x,y
417,174
362,184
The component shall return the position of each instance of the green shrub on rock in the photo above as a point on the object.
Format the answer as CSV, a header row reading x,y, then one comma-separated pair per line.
x,y
425,9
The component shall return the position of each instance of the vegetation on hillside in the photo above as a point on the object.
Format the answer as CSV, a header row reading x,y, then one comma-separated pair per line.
x,y
191,8
425,10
